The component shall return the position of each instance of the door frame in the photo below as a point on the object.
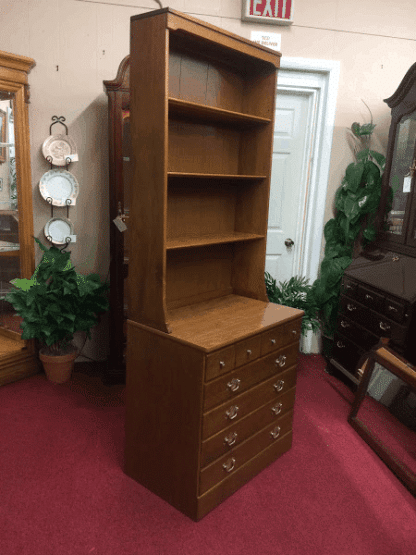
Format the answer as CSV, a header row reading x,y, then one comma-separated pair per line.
x,y
318,79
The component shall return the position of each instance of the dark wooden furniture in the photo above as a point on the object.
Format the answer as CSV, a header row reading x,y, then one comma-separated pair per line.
x,y
211,364
118,92
383,411
379,289
17,357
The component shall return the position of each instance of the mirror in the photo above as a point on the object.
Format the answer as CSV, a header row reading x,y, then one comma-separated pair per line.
x,y
17,357
384,411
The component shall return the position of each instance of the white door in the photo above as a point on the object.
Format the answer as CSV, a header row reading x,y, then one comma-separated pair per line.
x,y
293,136
304,122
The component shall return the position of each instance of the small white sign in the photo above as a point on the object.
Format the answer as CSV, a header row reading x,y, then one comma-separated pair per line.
x,y
271,40
120,225
73,238
72,157
407,184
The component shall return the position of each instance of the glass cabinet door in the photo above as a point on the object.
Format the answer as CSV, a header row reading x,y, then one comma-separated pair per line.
x,y
401,178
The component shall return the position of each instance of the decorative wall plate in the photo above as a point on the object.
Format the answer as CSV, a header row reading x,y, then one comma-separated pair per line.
x,y
58,148
58,229
59,185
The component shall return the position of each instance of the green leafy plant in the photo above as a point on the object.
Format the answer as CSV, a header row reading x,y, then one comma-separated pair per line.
x,y
297,293
354,225
57,302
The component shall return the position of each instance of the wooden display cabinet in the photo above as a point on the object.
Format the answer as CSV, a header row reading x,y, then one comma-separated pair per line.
x,y
211,364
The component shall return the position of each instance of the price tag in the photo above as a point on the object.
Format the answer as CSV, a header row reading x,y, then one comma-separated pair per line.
x,y
120,225
407,184
73,238
73,157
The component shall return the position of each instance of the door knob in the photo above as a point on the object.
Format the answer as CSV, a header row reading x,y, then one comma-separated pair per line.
x,y
289,243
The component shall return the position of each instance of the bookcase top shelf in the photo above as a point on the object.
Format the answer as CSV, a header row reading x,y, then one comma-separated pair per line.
x,y
216,176
187,242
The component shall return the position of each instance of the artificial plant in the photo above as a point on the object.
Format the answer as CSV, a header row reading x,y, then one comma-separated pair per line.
x,y
354,225
57,302
297,293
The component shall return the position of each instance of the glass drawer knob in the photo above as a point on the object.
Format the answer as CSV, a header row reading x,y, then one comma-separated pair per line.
x,y
344,324
275,433
232,412
281,361
384,326
229,465
230,439
369,298
277,409
234,384
340,345
279,385
392,308
351,307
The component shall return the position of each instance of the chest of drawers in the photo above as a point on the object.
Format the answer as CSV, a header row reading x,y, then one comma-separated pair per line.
x,y
203,416
377,300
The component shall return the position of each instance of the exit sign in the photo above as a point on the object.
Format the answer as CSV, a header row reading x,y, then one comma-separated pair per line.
x,y
277,12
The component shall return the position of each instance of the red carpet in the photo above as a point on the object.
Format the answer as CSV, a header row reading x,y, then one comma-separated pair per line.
x,y
63,491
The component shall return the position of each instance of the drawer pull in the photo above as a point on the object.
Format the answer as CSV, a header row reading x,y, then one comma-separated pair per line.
x,y
230,439
273,341
222,364
275,433
351,307
234,384
392,308
340,345
294,332
281,361
344,324
232,412
369,297
277,409
384,326
229,465
348,286
249,352
279,385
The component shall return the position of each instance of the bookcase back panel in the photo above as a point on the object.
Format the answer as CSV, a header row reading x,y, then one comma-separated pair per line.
x,y
195,275
189,144
196,210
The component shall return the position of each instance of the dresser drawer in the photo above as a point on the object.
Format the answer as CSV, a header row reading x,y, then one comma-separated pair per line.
x,y
220,362
370,298
346,353
226,440
220,469
358,334
233,411
247,350
239,380
396,310
280,335
349,287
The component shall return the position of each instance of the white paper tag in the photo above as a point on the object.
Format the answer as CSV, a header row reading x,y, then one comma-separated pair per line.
x,y
120,225
73,157
407,184
73,238
271,40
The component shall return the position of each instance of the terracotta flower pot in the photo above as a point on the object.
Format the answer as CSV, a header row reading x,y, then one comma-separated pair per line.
x,y
58,368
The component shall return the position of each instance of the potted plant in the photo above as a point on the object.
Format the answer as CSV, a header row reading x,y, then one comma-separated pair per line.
x,y
54,304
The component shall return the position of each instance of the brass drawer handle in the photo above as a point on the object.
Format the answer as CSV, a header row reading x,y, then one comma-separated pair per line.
x,y
384,326
279,385
234,384
392,308
229,465
281,361
277,409
340,345
275,433
232,412
230,439
369,297
222,364
351,307
344,324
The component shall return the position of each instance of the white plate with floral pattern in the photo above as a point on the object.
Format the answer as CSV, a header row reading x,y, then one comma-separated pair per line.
x,y
60,186
58,230
57,149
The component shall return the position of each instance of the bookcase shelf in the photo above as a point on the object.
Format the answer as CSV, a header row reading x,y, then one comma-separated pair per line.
x,y
189,242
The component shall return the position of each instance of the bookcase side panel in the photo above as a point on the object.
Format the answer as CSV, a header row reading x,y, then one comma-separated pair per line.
x,y
148,83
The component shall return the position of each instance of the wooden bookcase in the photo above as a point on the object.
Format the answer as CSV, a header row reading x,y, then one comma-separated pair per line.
x,y
202,107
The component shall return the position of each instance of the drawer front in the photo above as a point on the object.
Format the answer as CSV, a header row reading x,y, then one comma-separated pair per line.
x,y
359,335
220,362
238,381
280,336
395,310
247,350
349,287
233,411
223,467
378,324
346,353
223,442
370,298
